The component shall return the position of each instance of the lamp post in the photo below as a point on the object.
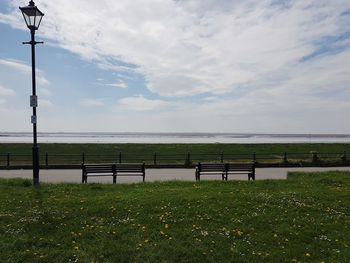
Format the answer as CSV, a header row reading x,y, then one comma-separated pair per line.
x,y
32,16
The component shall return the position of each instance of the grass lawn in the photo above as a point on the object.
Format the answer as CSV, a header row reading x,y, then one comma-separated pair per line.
x,y
303,219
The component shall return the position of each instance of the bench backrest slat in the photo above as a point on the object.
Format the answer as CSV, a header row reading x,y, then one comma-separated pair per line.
x,y
130,168
98,168
211,167
239,167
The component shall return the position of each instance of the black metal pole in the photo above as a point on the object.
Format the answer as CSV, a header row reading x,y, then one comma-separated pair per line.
x,y
35,148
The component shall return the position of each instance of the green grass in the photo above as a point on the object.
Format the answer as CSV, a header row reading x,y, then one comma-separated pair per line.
x,y
71,153
303,219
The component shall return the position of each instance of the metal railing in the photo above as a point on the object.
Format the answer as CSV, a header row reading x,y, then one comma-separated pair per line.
x,y
9,160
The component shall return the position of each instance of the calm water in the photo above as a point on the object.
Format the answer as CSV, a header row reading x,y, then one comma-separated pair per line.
x,y
26,137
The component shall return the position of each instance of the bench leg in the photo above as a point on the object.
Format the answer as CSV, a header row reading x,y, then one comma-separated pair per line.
x,y
143,178
198,177
251,176
84,179
114,179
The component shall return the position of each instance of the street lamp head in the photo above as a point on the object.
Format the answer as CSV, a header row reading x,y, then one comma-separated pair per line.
x,y
32,15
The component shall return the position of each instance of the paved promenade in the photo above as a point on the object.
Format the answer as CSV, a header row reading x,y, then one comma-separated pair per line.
x,y
74,176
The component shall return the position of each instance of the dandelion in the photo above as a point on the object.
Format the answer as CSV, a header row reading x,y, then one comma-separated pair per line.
x,y
239,232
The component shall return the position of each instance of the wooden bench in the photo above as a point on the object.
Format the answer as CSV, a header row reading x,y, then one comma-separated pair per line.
x,y
210,169
98,170
131,169
224,170
125,169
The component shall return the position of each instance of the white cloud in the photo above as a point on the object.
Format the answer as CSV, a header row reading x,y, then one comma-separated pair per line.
x,y
26,69
91,103
6,91
191,47
120,84
139,103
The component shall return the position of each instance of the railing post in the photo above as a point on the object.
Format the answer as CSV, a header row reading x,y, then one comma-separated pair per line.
x,y
155,158
254,157
222,157
46,159
83,157
285,159
344,157
8,160
120,157
188,159
314,157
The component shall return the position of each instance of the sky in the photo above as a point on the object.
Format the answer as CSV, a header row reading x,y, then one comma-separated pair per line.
x,y
252,66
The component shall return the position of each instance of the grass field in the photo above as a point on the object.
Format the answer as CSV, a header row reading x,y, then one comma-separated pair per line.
x,y
303,219
170,153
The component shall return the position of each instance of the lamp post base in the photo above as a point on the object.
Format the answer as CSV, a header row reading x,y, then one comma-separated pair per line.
x,y
35,151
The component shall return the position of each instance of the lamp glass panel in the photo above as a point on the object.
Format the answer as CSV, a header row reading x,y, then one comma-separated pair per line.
x,y
26,19
30,20
38,18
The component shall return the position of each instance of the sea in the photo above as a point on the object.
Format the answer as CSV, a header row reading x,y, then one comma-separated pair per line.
x,y
163,138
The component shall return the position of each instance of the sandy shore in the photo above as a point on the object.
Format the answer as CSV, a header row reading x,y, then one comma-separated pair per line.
x,y
74,176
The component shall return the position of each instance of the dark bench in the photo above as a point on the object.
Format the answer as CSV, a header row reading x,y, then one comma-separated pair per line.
x,y
125,169
98,170
131,169
224,170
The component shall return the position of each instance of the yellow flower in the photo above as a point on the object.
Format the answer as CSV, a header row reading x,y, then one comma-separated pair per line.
x,y
307,254
166,226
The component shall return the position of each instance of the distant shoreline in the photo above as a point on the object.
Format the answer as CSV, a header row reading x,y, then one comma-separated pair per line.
x,y
166,138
